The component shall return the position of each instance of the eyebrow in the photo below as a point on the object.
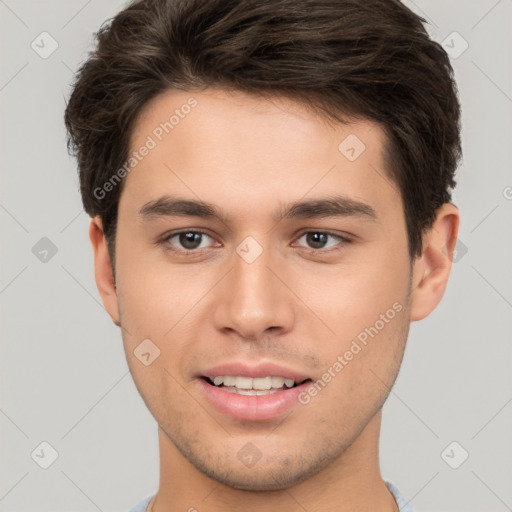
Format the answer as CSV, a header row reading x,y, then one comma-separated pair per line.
x,y
332,206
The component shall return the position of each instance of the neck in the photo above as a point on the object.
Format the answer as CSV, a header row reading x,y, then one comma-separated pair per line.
x,y
351,482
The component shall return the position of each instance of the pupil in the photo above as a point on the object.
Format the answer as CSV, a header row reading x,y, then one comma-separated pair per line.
x,y
317,240
190,240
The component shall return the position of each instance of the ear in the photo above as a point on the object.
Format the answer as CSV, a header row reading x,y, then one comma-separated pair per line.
x,y
103,269
432,268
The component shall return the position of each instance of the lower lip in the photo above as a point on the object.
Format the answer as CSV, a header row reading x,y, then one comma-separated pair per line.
x,y
252,408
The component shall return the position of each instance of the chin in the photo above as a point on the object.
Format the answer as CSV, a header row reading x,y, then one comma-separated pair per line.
x,y
272,475
252,481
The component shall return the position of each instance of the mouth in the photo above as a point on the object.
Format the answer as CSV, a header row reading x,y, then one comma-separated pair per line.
x,y
263,393
253,386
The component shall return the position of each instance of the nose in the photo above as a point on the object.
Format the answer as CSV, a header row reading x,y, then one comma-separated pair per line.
x,y
253,298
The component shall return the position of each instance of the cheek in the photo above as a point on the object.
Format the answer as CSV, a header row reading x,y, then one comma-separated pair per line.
x,y
364,312
350,298
357,373
161,304
154,295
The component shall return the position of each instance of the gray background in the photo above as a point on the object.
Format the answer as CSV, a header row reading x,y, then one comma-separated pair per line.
x,y
64,378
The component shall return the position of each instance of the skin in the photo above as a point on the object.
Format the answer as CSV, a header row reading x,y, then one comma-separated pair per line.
x,y
297,304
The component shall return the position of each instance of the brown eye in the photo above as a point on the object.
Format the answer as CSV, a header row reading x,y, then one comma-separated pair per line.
x,y
187,241
319,240
190,240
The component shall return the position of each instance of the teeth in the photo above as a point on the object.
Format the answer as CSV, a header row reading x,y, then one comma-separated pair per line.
x,y
261,383
243,383
289,383
257,384
252,392
228,381
277,382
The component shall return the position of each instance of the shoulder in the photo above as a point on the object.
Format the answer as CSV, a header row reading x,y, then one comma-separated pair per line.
x,y
403,505
141,507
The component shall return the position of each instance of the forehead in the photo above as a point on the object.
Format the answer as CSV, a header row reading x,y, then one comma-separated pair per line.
x,y
217,110
220,146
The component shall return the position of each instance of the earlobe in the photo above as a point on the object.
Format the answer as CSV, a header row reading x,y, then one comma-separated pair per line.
x,y
103,269
432,269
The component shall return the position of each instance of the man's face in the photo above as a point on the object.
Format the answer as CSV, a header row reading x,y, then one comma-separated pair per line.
x,y
324,299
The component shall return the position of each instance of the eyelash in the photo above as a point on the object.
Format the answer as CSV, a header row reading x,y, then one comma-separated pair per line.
x,y
165,241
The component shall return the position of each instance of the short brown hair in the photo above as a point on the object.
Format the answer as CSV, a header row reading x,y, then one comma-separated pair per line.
x,y
367,59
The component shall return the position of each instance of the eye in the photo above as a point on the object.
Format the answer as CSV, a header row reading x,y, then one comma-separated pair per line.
x,y
319,240
187,241
190,241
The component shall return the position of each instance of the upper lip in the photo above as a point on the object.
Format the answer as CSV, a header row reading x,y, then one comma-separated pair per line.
x,y
266,369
